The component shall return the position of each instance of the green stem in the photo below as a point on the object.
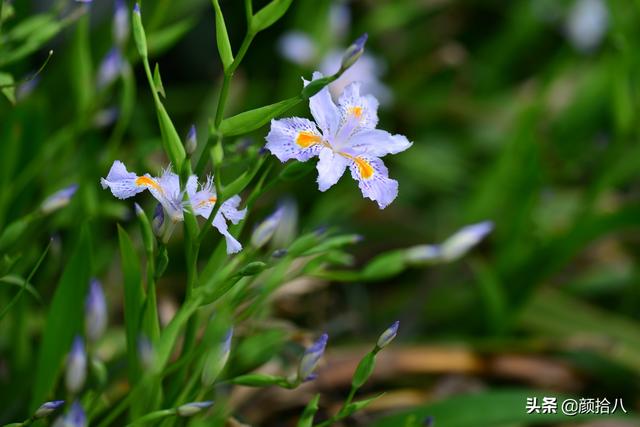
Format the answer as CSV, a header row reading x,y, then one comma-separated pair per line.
x,y
248,6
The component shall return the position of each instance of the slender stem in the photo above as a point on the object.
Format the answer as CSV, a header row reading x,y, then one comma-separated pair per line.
x,y
228,75
248,6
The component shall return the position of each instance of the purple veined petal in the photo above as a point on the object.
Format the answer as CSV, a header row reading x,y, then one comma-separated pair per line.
x,y
294,138
378,143
230,209
59,199
124,184
323,109
297,47
168,193
464,240
220,224
357,112
331,167
373,179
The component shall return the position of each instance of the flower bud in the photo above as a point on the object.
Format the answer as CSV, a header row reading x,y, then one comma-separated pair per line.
x,y
423,254
146,352
139,35
192,140
216,360
59,199
48,408
158,220
429,421
189,409
110,68
388,335
76,416
120,23
76,373
265,230
466,238
311,358
95,311
354,52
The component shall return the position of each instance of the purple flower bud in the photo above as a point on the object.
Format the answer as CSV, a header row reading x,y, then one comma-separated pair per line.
x,y
466,238
95,311
192,140
76,373
76,416
136,8
429,421
146,352
265,230
311,358
48,408
423,254
59,199
25,89
105,117
138,209
110,68
354,52
158,220
216,359
189,409
388,335
120,22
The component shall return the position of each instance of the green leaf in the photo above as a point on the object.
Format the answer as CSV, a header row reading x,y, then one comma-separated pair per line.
x,y
64,320
163,39
489,409
158,81
82,81
306,419
253,119
170,138
222,38
268,15
361,404
13,280
9,89
364,370
133,300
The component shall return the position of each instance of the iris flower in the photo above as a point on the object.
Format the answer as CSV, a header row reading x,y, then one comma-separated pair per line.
x,y
342,136
166,189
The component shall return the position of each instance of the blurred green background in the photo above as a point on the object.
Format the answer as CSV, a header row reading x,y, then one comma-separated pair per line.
x,y
523,112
